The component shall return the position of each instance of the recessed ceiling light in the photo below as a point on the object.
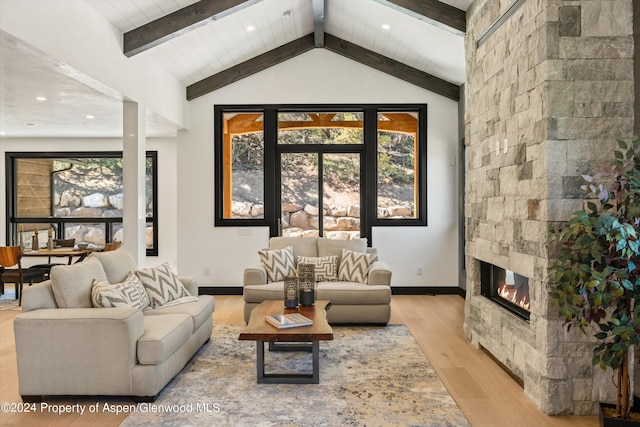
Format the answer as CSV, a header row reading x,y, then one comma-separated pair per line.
x,y
3,132
386,26
41,98
89,116
251,28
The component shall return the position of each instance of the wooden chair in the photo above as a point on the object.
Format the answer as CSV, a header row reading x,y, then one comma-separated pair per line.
x,y
46,268
112,246
10,256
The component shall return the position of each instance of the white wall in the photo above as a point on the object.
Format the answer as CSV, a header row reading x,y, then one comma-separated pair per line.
x,y
318,76
167,182
73,33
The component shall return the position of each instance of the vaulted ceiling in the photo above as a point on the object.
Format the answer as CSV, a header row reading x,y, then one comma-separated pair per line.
x,y
211,43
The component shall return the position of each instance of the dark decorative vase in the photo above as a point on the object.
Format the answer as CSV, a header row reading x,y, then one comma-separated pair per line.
x,y
307,284
291,292
606,421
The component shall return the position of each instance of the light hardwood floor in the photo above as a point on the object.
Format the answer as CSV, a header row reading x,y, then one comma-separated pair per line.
x,y
486,394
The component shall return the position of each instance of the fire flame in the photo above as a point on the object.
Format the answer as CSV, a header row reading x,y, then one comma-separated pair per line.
x,y
511,295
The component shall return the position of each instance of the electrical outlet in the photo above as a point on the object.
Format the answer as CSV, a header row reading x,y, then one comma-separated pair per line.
x,y
418,271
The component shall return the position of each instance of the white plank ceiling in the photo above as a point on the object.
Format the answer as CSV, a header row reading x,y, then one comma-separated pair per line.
x,y
229,41
212,48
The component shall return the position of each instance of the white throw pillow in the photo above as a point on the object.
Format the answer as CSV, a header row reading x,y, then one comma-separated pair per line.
x,y
163,286
325,268
278,264
354,266
129,293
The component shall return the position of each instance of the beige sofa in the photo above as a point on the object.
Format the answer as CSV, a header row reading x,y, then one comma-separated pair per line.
x,y
103,351
351,302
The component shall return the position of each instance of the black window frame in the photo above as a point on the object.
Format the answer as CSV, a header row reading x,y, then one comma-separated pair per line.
x,y
11,196
369,168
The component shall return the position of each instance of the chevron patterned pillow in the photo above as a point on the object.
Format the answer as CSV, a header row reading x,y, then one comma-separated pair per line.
x,y
278,263
354,266
325,267
128,293
163,286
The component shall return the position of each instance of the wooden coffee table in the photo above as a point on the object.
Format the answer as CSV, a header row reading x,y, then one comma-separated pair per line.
x,y
305,338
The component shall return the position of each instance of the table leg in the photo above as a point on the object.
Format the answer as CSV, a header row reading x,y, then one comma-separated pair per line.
x,y
288,378
260,361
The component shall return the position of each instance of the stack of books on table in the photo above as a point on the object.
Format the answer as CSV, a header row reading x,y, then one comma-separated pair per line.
x,y
291,320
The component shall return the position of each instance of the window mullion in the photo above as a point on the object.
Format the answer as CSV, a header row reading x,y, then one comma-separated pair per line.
x,y
272,199
369,173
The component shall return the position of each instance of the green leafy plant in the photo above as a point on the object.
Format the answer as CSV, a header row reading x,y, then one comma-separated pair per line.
x,y
596,278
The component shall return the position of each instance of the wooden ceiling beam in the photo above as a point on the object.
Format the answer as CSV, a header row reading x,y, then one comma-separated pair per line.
x,y
251,66
433,10
179,22
392,67
318,22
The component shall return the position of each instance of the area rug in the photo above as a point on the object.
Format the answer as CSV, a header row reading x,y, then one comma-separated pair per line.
x,y
8,300
373,376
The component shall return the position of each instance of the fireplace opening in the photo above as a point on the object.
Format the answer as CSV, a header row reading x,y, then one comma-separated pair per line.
x,y
506,288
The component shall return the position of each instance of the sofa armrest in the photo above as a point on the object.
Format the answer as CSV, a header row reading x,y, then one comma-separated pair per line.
x,y
379,274
191,284
255,274
58,350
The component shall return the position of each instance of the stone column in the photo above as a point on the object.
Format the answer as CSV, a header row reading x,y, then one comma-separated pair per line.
x,y
548,94
636,44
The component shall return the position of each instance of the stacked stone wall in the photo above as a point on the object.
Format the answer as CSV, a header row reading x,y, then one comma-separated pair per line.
x,y
339,222
554,85
78,202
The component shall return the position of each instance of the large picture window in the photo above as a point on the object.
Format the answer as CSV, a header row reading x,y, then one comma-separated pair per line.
x,y
320,170
77,195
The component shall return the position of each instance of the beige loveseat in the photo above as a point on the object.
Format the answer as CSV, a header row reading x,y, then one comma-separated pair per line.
x,y
124,351
366,302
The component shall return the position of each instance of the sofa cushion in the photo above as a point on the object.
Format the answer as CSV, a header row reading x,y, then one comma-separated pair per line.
x,y
38,296
259,293
343,293
72,284
279,263
163,287
162,336
117,264
199,310
354,266
302,246
325,268
129,293
334,247
339,293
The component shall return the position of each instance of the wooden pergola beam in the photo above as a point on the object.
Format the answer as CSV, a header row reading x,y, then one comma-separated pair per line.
x,y
249,123
433,10
179,22
251,66
392,67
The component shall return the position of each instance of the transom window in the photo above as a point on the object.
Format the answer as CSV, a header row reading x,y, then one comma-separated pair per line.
x,y
332,171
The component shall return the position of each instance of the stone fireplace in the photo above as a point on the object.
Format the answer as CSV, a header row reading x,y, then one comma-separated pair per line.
x,y
549,91
506,288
